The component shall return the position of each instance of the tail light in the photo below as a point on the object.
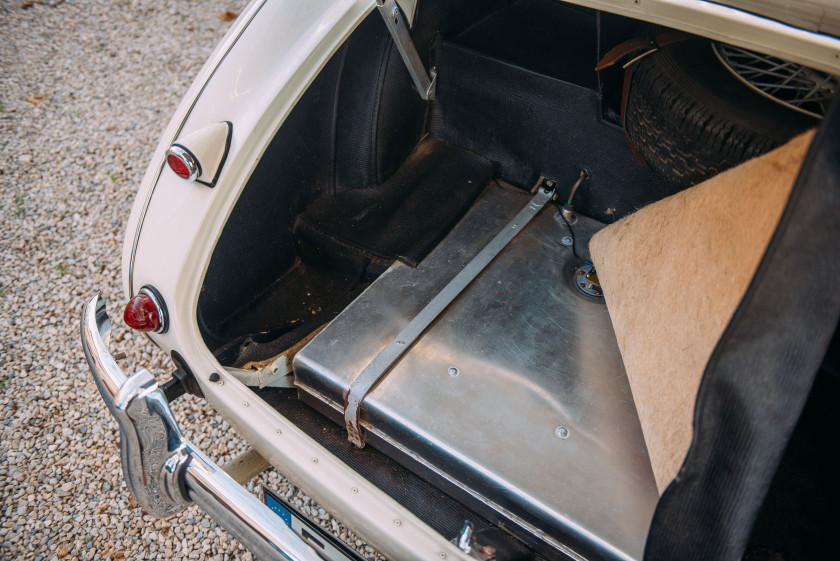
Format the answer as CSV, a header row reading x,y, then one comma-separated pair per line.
x,y
182,162
200,155
146,311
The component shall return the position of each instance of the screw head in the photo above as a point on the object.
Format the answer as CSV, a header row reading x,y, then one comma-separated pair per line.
x,y
562,432
453,371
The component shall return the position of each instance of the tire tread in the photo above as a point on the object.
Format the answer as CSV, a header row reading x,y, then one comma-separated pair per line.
x,y
682,131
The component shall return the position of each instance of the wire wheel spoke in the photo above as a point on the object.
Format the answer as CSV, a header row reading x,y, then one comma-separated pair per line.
x,y
792,84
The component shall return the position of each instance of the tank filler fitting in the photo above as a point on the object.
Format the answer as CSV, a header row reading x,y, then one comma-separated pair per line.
x,y
567,211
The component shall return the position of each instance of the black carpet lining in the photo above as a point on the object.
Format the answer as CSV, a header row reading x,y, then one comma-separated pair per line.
x,y
403,218
533,124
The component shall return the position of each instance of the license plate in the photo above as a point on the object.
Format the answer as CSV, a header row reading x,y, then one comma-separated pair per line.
x,y
328,546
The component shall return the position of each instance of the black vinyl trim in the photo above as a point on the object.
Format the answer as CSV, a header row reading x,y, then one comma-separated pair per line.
x,y
222,161
760,374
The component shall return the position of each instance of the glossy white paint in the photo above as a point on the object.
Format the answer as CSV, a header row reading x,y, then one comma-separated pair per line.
x,y
173,129
208,144
729,25
253,79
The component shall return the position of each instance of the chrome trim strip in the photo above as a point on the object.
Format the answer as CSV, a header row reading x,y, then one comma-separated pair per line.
x,y
157,300
148,200
164,471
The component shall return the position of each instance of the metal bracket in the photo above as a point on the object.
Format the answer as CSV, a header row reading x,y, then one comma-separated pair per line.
x,y
269,377
275,372
395,21
246,466
377,368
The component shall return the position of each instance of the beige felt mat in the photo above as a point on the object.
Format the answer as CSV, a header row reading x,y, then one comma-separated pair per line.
x,y
673,274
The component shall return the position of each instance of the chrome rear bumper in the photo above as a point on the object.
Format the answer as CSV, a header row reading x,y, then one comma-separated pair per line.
x,y
164,471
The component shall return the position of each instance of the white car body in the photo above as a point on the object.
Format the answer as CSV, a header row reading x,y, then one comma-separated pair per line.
x,y
253,80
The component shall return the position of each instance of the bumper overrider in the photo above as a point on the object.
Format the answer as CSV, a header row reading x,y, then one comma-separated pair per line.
x,y
165,472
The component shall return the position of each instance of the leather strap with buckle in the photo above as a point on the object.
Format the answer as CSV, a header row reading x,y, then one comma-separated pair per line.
x,y
640,47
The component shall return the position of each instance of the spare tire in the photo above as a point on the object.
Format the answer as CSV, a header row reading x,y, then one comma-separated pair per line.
x,y
690,118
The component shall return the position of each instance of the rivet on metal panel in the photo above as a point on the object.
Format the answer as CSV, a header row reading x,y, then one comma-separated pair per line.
x,y
397,522
245,404
278,431
453,371
355,490
442,555
561,432
314,460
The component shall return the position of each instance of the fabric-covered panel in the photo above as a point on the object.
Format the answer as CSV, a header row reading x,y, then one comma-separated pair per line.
x,y
673,274
403,218
536,125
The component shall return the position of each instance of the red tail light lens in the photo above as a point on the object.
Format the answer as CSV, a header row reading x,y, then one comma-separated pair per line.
x,y
182,162
179,167
145,312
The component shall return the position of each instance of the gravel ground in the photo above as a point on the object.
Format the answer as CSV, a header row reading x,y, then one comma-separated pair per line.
x,y
85,90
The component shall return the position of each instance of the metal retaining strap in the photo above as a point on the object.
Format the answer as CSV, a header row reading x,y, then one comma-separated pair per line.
x,y
377,368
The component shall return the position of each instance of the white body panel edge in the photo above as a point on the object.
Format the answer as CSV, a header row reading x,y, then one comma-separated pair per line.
x,y
181,225
733,26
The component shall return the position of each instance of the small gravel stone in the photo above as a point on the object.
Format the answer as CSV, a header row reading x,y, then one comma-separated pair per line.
x,y
86,87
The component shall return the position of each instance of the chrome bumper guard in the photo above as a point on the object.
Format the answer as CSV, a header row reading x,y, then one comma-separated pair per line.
x,y
164,471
